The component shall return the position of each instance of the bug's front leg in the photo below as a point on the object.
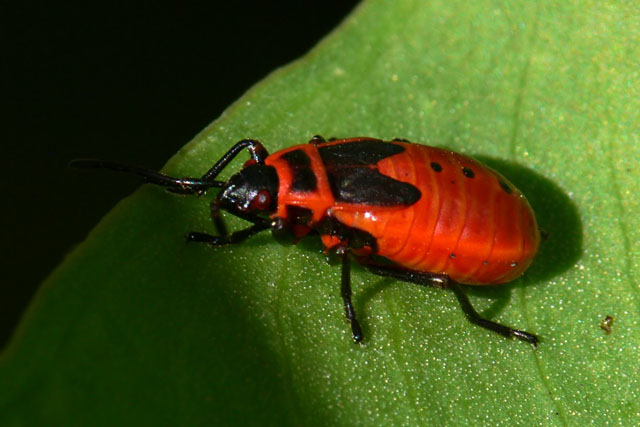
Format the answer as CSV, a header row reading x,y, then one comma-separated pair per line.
x,y
235,237
223,237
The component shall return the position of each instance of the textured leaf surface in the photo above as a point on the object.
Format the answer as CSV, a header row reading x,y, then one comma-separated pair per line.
x,y
137,326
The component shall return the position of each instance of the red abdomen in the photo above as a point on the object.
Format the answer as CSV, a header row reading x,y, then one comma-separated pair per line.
x,y
470,222
457,216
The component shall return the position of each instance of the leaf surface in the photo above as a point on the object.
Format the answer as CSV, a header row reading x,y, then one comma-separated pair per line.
x,y
137,326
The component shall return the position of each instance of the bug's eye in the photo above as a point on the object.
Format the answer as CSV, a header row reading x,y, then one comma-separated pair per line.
x,y
262,201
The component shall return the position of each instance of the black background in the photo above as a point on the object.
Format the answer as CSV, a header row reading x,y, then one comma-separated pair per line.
x,y
130,81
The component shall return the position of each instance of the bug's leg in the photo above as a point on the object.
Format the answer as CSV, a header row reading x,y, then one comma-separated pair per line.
x,y
216,217
443,281
317,139
544,235
256,150
235,237
474,317
223,237
218,222
346,294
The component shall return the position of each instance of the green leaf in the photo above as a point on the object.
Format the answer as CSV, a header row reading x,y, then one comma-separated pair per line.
x,y
137,326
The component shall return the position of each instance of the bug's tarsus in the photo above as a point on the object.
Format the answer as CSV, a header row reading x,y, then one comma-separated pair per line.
x,y
196,236
345,281
526,336
443,281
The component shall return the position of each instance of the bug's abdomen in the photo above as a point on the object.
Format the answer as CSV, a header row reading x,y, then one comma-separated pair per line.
x,y
469,222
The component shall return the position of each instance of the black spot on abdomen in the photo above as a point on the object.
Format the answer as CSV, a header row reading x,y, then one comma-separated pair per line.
x,y
468,172
507,189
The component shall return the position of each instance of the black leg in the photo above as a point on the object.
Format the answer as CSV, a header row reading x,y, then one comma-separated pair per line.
x,y
417,277
216,217
317,139
443,281
474,317
235,237
256,150
346,296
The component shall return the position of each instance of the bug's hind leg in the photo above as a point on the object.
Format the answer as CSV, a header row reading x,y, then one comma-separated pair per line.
x,y
443,281
474,317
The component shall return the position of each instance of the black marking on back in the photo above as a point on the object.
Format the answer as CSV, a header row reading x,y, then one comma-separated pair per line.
x,y
436,166
367,152
354,178
367,186
304,180
468,172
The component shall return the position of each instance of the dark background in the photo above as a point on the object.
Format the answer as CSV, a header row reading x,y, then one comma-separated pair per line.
x,y
130,81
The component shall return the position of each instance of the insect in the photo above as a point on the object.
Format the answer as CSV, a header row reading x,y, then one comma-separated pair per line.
x,y
415,213
607,324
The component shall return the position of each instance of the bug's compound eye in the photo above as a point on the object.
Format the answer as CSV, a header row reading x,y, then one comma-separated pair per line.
x,y
249,162
261,201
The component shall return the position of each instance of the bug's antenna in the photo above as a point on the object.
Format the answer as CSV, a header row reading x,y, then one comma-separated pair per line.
x,y
177,185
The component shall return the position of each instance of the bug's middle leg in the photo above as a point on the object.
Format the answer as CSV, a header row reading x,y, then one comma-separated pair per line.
x,y
345,291
443,281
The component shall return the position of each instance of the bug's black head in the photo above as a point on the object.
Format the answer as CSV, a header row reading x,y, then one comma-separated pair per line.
x,y
251,191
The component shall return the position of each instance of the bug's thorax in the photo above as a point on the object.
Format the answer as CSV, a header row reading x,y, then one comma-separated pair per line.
x,y
332,176
303,184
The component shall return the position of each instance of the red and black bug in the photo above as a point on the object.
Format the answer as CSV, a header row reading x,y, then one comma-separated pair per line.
x,y
415,213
